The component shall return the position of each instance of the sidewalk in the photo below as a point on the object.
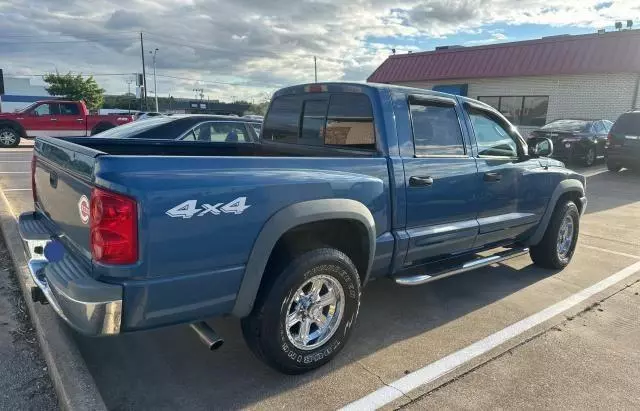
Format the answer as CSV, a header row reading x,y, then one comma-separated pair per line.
x,y
590,361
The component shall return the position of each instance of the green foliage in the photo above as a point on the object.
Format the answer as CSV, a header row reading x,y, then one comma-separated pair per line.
x,y
75,87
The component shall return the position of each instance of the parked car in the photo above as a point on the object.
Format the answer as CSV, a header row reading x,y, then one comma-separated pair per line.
x,y
576,140
190,127
623,143
55,118
143,115
349,182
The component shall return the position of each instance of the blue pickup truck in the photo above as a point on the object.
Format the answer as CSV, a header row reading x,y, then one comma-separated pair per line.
x,y
348,183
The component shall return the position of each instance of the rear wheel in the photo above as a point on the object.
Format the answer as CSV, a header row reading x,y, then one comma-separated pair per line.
x,y
9,137
304,317
100,128
559,241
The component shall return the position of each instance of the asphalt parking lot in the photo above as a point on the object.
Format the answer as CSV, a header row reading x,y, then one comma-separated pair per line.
x,y
400,329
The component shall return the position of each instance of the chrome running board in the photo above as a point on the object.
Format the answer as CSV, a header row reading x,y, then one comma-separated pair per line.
x,y
468,266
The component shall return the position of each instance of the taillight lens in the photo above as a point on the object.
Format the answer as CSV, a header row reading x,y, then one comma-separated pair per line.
x,y
33,179
114,228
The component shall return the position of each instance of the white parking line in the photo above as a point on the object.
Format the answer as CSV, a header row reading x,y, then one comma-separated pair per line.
x,y
15,172
15,161
611,251
15,189
443,366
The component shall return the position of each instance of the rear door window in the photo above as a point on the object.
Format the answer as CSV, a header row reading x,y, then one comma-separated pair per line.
x,y
69,109
436,129
322,119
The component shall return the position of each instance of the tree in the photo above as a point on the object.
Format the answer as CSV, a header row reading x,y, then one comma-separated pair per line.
x,y
75,87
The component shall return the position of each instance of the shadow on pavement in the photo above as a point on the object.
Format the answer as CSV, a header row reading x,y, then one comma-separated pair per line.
x,y
170,368
610,190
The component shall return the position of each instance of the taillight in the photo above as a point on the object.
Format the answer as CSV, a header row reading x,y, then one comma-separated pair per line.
x,y
33,179
114,228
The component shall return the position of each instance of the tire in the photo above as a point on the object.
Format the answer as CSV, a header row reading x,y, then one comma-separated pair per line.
x,y
589,157
289,295
548,253
613,167
9,137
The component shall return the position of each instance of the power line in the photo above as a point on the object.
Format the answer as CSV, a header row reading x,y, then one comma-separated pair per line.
x,y
65,41
72,73
64,35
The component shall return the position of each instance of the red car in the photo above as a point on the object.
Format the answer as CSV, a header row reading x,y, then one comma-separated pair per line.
x,y
55,118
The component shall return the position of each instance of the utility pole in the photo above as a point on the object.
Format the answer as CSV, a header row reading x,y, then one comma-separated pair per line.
x,y
315,68
129,93
155,84
144,73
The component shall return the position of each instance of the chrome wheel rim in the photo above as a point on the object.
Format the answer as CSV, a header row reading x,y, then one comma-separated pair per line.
x,y
565,237
7,137
314,312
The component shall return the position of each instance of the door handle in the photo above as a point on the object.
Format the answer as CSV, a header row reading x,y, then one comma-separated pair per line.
x,y
54,119
418,181
79,119
492,177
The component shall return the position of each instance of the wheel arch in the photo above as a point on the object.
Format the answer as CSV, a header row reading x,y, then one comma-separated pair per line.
x,y
288,219
101,126
572,189
14,125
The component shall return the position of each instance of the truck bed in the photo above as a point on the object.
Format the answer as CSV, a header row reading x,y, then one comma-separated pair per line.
x,y
159,147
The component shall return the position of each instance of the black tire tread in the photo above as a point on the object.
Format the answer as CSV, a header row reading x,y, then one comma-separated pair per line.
x,y
544,253
251,325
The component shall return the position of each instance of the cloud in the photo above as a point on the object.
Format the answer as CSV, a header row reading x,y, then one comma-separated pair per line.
x,y
258,45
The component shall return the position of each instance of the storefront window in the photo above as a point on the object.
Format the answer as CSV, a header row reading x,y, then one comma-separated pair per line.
x,y
520,110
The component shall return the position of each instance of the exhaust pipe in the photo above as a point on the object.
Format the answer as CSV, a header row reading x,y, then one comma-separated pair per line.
x,y
207,335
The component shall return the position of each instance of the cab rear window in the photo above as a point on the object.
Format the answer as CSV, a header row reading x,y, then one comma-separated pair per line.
x,y
322,119
628,124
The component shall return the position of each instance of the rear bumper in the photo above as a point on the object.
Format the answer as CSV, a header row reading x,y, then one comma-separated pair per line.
x,y
87,305
575,151
619,155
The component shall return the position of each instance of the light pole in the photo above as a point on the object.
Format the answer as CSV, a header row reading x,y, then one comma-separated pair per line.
x,y
155,84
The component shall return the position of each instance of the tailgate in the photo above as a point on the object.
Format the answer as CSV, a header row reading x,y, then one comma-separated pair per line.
x,y
63,183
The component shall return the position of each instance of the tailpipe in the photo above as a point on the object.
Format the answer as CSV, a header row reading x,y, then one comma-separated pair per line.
x,y
207,335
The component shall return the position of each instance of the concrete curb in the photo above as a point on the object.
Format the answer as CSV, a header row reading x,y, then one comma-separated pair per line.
x,y
74,385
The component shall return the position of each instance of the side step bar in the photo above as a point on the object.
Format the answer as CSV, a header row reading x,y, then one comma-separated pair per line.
x,y
468,266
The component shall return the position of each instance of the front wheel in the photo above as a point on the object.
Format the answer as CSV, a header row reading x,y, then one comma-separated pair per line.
x,y
304,318
559,241
590,157
9,137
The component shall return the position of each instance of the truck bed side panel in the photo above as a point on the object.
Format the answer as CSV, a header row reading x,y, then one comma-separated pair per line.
x,y
206,250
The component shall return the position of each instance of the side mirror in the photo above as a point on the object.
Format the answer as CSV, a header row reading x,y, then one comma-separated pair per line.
x,y
540,147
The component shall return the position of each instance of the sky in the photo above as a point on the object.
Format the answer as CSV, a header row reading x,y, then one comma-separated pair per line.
x,y
246,49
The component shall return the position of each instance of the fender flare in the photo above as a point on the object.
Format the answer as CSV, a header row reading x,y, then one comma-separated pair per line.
x,y
14,125
564,187
283,221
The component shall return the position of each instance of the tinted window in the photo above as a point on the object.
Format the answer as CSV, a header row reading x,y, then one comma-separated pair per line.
x,y
131,130
69,109
436,130
314,117
219,132
511,107
492,101
350,122
627,124
282,120
569,126
491,136
534,111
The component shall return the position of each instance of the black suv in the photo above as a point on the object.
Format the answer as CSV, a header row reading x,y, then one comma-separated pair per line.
x,y
623,143
576,140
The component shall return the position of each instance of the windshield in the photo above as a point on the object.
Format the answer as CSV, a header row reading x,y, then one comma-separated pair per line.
x,y
27,108
133,128
569,126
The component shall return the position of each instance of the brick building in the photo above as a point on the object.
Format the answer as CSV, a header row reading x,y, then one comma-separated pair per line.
x,y
532,82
